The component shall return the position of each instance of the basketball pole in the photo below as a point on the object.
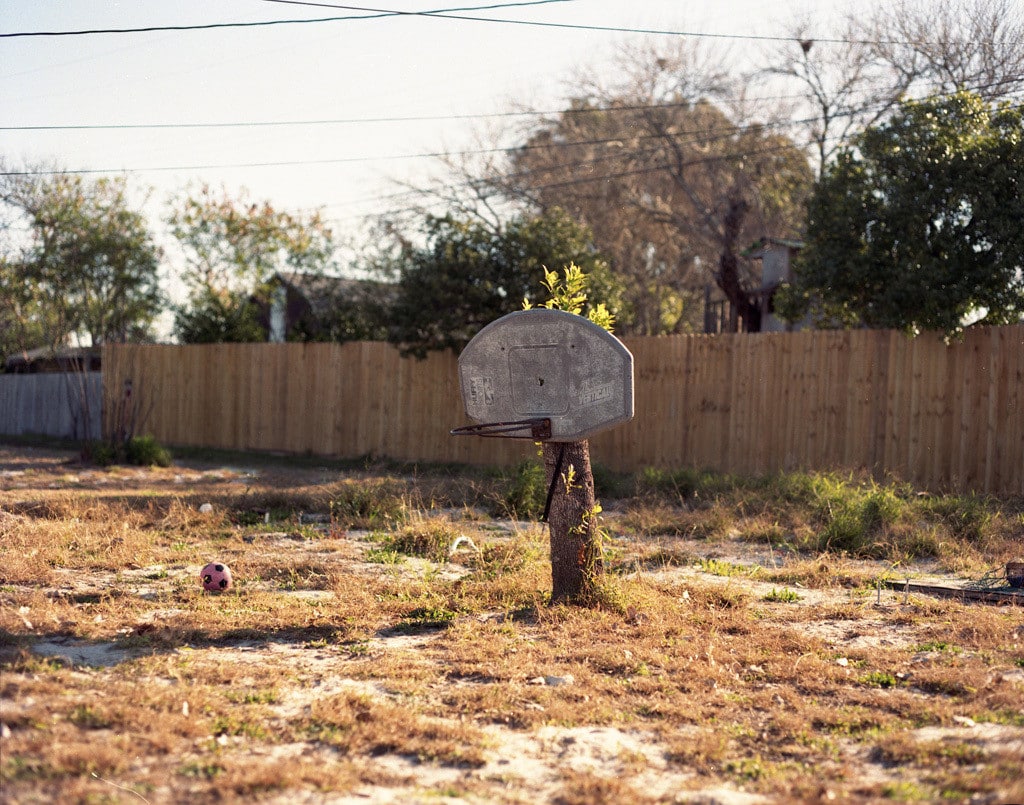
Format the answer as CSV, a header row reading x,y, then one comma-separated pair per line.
x,y
576,561
571,378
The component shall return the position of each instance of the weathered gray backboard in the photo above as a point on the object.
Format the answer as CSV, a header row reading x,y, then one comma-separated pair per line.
x,y
551,364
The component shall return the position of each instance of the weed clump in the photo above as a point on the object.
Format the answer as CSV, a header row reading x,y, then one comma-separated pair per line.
x,y
369,504
684,485
140,451
819,513
431,539
525,492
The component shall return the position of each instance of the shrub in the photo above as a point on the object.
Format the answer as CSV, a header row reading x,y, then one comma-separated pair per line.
x,y
145,451
142,451
609,484
967,516
101,454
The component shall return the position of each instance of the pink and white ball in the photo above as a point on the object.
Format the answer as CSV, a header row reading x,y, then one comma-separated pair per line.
x,y
215,577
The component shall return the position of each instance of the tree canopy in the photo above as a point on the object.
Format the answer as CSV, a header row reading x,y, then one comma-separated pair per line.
x,y
87,265
232,248
917,225
673,181
466,275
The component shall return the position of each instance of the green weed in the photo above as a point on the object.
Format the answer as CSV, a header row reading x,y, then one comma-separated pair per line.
x,y
785,596
939,645
383,555
203,771
526,492
684,484
719,567
879,679
425,618
430,539
369,504
967,516
88,718
904,791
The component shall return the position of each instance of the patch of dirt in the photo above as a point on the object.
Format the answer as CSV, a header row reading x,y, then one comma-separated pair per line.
x,y
82,652
520,765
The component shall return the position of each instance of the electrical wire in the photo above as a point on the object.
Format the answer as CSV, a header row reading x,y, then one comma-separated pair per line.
x,y
699,135
377,14
450,14
574,112
616,29
582,180
422,13
359,120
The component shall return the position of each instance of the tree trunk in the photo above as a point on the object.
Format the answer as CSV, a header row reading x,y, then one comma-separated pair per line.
x,y
728,276
576,559
742,306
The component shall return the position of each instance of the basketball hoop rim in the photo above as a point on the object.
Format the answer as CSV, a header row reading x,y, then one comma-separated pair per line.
x,y
539,429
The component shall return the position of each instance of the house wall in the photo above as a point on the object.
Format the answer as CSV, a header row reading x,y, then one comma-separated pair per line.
x,y
775,259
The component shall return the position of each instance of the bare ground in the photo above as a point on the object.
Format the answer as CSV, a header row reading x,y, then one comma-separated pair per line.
x,y
543,728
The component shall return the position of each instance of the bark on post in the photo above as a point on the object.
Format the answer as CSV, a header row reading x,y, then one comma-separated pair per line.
x,y
576,559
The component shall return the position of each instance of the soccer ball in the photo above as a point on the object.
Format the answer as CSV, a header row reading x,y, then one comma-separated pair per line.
x,y
215,577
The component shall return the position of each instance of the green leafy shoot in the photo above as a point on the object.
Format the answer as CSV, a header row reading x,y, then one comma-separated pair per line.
x,y
569,293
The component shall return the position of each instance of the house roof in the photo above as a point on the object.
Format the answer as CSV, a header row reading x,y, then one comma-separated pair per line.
x,y
48,358
758,249
321,290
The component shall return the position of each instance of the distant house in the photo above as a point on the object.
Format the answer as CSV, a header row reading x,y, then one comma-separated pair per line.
x,y
776,257
47,359
316,307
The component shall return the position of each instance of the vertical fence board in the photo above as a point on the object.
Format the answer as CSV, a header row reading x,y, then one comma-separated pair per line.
x,y
998,393
64,405
1015,410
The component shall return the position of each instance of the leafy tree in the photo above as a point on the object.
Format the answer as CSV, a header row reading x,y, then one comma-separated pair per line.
x,y
918,224
673,184
26,321
87,264
467,274
569,293
233,247
213,317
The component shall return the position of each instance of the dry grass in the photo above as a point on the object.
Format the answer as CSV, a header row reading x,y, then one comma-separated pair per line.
x,y
387,639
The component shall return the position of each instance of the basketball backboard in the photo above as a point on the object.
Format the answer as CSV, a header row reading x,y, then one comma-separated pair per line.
x,y
547,364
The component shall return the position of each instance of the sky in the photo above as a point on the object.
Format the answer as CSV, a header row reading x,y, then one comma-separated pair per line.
x,y
332,115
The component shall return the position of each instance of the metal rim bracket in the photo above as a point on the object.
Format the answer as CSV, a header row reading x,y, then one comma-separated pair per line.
x,y
538,429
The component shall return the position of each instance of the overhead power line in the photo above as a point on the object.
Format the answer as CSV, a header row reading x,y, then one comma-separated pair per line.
x,y
702,135
420,13
359,120
577,111
454,14
690,135
375,14
617,29
581,180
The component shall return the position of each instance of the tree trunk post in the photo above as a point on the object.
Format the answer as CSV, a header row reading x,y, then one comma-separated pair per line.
x,y
576,561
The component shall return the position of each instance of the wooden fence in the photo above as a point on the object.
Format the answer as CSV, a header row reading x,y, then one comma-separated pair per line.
x,y
941,416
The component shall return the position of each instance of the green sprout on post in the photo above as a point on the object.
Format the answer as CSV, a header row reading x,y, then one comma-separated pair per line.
x,y
569,293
